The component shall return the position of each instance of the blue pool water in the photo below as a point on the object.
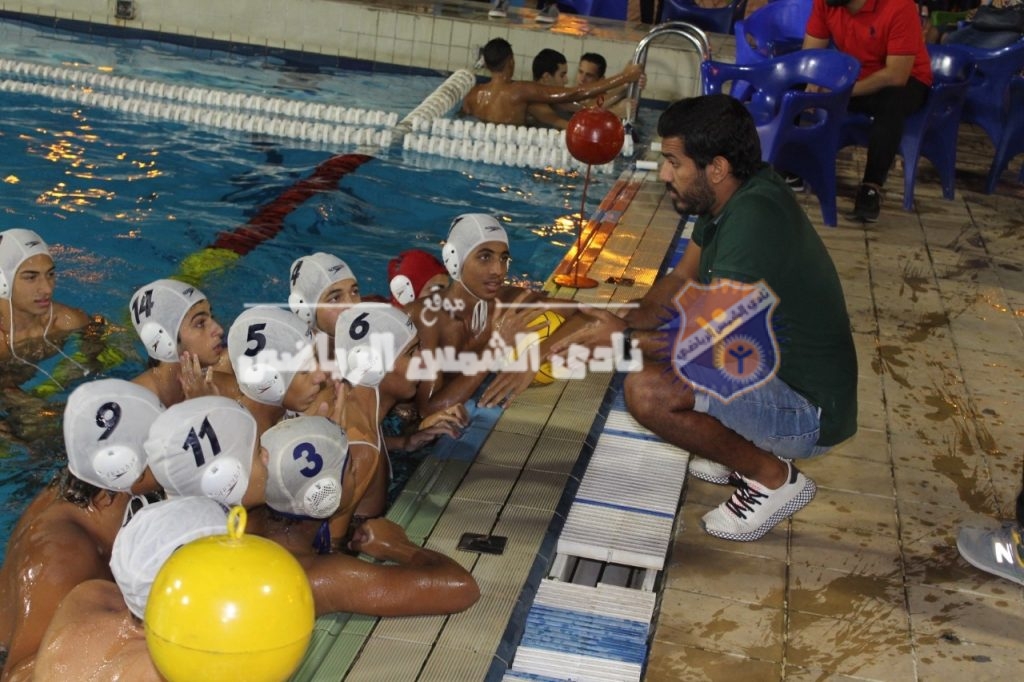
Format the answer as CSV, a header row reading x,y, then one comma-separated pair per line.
x,y
123,199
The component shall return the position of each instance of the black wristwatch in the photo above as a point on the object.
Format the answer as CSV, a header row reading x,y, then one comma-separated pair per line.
x,y
627,344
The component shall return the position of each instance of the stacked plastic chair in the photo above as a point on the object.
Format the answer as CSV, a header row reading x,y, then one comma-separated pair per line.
x,y
799,130
933,130
714,19
775,29
988,103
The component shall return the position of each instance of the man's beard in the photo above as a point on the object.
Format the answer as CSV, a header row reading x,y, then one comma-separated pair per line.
x,y
698,200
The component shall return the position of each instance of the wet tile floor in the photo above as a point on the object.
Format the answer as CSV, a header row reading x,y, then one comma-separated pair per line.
x,y
866,583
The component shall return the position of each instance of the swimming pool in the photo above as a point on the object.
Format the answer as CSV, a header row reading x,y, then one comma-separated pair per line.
x,y
123,199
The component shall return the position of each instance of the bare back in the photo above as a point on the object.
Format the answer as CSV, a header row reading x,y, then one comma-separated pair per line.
x,y
94,638
54,547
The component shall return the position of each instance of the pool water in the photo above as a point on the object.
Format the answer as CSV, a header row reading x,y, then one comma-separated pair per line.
x,y
123,199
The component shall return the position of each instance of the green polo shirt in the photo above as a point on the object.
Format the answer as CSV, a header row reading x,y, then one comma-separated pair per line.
x,y
763,233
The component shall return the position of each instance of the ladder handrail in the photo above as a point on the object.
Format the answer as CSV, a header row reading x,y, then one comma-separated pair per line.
x,y
697,37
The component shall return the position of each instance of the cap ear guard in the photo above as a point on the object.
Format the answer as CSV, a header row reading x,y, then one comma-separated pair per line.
x,y
223,481
402,289
159,344
450,257
118,466
5,287
299,306
364,366
261,382
322,498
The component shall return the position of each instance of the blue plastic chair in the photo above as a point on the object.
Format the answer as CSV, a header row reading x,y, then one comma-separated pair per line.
x,y
799,130
932,130
1011,142
775,29
988,98
714,19
609,9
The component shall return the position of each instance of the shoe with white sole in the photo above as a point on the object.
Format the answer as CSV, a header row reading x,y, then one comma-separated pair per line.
x,y
753,509
549,14
709,471
999,551
499,9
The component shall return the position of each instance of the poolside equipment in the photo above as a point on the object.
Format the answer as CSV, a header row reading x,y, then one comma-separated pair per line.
x,y
229,607
594,136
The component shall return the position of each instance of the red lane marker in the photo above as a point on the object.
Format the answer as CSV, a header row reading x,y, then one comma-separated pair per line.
x,y
269,219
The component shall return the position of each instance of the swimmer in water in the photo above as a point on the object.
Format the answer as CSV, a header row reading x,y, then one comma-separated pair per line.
x,y
32,325
175,322
322,285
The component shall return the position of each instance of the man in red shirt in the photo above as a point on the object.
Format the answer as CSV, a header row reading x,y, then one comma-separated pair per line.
x,y
895,76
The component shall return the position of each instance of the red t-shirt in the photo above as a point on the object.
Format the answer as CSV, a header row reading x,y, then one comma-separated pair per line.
x,y
879,29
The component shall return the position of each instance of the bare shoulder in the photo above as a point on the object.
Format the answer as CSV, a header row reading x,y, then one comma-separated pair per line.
x,y
94,636
66,318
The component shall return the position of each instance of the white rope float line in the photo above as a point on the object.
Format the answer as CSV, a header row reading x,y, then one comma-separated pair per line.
x,y
218,118
276,116
208,97
439,103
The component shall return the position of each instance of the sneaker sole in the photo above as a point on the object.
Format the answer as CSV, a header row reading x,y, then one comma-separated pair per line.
x,y
802,499
497,15
708,478
990,569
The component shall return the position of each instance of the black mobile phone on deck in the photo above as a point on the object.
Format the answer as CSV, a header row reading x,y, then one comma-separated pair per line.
x,y
483,544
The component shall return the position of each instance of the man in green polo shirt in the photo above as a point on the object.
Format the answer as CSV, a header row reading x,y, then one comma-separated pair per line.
x,y
751,235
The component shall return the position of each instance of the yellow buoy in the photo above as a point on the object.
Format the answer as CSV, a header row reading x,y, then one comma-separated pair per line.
x,y
229,607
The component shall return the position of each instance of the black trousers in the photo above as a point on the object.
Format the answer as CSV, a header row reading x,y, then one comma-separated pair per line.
x,y
889,108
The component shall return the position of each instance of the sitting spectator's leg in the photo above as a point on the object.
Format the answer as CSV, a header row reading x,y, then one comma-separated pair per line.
x,y
889,109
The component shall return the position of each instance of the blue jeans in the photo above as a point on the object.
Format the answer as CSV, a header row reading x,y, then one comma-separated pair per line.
x,y
773,417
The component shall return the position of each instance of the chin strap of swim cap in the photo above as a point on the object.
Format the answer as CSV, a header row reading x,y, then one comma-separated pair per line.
x,y
480,316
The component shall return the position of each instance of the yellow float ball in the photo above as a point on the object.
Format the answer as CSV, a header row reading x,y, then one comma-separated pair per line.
x,y
543,326
229,607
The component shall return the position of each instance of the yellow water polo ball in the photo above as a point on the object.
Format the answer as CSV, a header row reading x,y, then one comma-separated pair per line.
x,y
229,607
543,326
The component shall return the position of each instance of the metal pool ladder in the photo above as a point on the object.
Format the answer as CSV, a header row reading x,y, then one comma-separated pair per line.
x,y
697,37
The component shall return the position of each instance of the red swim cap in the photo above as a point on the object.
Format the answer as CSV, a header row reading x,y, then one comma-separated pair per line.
x,y
409,272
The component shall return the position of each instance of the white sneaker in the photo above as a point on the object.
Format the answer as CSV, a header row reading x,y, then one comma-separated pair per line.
x,y
753,509
709,471
499,9
549,14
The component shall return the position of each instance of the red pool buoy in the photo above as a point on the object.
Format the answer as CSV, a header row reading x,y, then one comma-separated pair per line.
x,y
594,135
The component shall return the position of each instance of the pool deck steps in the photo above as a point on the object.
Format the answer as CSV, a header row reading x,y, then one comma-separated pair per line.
x,y
625,508
519,484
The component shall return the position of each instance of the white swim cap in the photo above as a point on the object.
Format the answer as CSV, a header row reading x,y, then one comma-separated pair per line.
x,y
307,459
310,277
17,245
153,533
468,231
106,422
268,346
203,446
157,311
368,337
